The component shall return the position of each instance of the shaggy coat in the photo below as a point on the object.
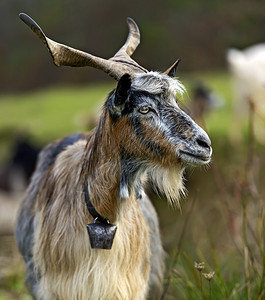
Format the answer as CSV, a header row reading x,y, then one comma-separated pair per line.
x,y
142,136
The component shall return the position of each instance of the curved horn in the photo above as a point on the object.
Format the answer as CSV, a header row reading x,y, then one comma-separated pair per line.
x,y
133,39
116,66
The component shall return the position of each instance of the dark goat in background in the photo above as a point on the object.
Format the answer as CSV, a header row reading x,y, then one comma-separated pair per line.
x,y
16,172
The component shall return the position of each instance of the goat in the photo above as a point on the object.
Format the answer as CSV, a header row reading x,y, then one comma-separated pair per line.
x,y
15,173
203,101
247,68
142,135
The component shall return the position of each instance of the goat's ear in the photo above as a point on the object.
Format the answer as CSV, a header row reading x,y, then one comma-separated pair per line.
x,y
122,91
172,70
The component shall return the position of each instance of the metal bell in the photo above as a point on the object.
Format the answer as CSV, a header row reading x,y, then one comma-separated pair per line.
x,y
101,235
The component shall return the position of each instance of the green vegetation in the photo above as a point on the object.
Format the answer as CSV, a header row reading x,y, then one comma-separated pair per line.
x,y
223,224
49,114
12,287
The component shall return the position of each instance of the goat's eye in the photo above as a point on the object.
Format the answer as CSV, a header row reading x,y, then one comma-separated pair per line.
x,y
144,110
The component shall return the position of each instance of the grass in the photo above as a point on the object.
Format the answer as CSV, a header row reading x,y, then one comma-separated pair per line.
x,y
222,221
230,240
49,114
13,288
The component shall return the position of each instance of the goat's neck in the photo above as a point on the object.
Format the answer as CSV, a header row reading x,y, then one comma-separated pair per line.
x,y
110,172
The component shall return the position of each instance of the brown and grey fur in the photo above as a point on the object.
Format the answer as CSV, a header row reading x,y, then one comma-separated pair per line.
x,y
142,135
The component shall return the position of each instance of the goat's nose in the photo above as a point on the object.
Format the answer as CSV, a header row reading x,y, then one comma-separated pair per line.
x,y
204,142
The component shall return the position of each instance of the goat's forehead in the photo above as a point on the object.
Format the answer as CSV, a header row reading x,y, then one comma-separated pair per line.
x,y
157,83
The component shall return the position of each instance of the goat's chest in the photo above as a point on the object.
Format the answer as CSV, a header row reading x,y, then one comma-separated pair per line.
x,y
85,273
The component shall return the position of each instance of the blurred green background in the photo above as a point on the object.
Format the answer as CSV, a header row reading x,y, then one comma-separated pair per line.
x,y
199,32
222,217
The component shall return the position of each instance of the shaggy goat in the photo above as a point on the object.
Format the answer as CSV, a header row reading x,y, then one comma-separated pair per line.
x,y
142,134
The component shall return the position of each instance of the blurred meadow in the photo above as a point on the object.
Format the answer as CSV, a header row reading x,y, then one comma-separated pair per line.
x,y
216,243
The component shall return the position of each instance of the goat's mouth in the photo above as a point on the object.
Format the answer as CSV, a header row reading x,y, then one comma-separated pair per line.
x,y
195,158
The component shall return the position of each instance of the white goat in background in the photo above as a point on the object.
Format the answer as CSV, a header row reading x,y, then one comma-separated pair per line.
x,y
248,72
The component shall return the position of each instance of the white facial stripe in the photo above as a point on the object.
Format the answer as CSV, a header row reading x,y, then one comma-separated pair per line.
x,y
124,192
